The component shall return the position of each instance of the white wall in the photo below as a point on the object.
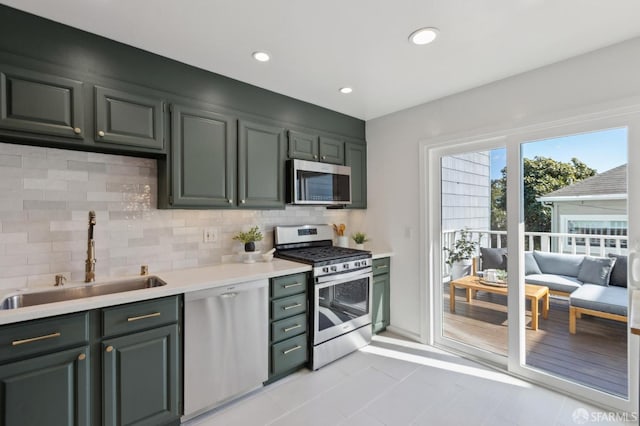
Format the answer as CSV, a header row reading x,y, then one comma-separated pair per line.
x,y
606,77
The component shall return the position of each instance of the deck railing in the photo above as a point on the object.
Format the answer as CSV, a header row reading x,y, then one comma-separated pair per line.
x,y
556,242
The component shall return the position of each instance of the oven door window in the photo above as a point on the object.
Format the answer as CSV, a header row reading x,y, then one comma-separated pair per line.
x,y
341,303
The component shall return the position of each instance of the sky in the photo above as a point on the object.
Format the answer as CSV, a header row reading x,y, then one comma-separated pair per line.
x,y
602,150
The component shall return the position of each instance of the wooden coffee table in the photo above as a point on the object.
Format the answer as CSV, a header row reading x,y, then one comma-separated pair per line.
x,y
532,292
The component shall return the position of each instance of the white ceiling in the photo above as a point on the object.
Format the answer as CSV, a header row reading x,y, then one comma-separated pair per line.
x,y
319,46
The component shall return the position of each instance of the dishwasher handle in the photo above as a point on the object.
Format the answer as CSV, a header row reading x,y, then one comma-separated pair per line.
x,y
226,291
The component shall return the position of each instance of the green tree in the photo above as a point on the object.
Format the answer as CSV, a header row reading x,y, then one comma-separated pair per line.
x,y
542,175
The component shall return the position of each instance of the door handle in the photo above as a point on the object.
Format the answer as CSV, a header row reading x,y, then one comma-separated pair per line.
x,y
141,317
35,339
288,351
297,305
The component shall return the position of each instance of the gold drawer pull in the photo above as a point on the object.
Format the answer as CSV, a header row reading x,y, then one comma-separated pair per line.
x,y
288,351
34,339
382,267
292,285
141,317
293,327
297,305
82,357
109,348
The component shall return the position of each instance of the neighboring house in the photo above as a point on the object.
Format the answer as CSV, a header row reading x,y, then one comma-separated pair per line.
x,y
597,205
466,191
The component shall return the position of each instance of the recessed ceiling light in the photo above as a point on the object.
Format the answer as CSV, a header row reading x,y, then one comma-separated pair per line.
x,y
261,56
346,90
423,36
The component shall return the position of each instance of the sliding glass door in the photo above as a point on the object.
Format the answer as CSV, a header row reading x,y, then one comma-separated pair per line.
x,y
530,243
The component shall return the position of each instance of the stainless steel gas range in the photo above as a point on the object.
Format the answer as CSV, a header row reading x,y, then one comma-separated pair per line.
x,y
339,294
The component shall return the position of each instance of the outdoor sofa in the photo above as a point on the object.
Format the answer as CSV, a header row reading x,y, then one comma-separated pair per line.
x,y
595,286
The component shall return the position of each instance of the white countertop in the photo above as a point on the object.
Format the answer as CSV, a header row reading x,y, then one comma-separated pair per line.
x,y
178,282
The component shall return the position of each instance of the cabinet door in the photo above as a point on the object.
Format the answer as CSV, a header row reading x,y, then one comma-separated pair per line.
x,y
203,158
46,390
331,150
356,157
303,146
140,378
128,119
261,163
381,308
40,103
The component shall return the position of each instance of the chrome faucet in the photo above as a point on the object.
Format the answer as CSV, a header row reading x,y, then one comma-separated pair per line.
x,y
90,264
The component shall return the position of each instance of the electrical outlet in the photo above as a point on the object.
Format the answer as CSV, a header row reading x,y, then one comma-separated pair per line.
x,y
209,235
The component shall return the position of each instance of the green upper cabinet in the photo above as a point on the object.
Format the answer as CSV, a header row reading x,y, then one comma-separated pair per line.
x,y
331,150
306,146
356,157
203,158
303,146
261,165
128,119
40,103
50,389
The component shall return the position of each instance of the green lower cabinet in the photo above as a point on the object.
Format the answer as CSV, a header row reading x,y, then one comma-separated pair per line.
x,y
381,295
288,337
47,390
141,378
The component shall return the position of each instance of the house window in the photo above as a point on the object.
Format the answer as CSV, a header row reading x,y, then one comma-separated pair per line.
x,y
598,225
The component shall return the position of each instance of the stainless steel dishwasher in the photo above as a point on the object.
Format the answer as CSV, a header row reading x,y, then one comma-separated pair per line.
x,y
226,340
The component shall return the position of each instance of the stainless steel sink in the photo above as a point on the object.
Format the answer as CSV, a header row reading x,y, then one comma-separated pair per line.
x,y
20,300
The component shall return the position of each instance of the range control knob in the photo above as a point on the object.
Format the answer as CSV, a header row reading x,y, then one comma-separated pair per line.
x,y
334,269
363,263
345,266
325,269
356,264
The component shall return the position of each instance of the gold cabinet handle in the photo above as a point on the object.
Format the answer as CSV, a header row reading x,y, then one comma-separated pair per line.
x,y
243,201
141,317
297,305
230,200
288,351
77,130
324,157
293,327
315,157
109,348
101,133
35,339
382,267
82,357
292,285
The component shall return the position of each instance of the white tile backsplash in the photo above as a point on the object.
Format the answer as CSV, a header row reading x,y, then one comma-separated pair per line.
x,y
45,197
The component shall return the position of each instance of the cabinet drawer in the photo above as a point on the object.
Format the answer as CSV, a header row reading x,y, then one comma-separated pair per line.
x,y
289,354
288,327
139,316
381,266
288,285
289,306
45,335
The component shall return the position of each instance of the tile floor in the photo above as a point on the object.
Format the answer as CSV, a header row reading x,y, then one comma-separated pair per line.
x,y
395,382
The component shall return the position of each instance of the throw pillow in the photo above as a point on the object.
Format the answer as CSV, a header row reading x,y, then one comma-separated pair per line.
x,y
619,271
596,270
493,258
530,265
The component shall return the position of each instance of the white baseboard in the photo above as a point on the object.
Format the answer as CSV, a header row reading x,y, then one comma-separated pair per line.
x,y
405,333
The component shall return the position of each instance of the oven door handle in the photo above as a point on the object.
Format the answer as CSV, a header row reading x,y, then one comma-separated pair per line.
x,y
327,280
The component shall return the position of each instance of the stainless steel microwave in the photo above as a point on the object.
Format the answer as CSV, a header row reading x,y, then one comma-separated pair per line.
x,y
313,183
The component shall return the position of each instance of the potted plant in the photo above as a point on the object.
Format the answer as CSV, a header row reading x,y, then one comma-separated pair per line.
x,y
249,238
459,256
359,238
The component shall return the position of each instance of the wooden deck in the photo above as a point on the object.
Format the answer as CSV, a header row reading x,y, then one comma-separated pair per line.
x,y
595,356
